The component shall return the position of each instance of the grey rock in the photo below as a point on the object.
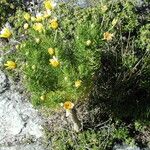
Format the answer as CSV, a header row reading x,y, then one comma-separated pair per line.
x,y
19,121
3,82
127,147
32,146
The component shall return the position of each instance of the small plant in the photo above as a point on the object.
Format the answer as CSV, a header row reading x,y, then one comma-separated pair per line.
x,y
7,9
81,141
71,113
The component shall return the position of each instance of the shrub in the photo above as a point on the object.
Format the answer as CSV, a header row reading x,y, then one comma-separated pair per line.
x,y
75,48
102,50
64,140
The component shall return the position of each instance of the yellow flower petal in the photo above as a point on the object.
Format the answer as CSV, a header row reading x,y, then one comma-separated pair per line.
x,y
49,5
33,67
51,51
104,8
47,14
33,18
42,97
39,17
10,65
5,33
37,40
108,36
25,26
78,83
17,46
38,27
114,22
54,24
88,42
54,62
27,16
68,105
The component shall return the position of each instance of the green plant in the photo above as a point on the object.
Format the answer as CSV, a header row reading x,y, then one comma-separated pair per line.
x,y
65,140
7,9
77,59
123,134
98,46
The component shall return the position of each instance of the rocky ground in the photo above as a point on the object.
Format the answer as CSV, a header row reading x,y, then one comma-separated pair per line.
x,y
20,124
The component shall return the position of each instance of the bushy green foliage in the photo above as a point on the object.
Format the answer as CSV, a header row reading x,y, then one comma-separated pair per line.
x,y
125,63
78,59
105,47
65,140
100,139
7,9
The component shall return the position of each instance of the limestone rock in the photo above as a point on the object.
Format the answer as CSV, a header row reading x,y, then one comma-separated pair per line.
x,y
20,123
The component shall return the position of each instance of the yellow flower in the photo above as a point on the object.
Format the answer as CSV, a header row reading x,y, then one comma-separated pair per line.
x,y
108,36
5,33
68,105
88,42
33,18
54,24
17,46
10,65
78,83
51,51
49,5
37,40
54,62
114,22
104,8
27,16
39,17
38,27
33,67
47,14
42,97
25,26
